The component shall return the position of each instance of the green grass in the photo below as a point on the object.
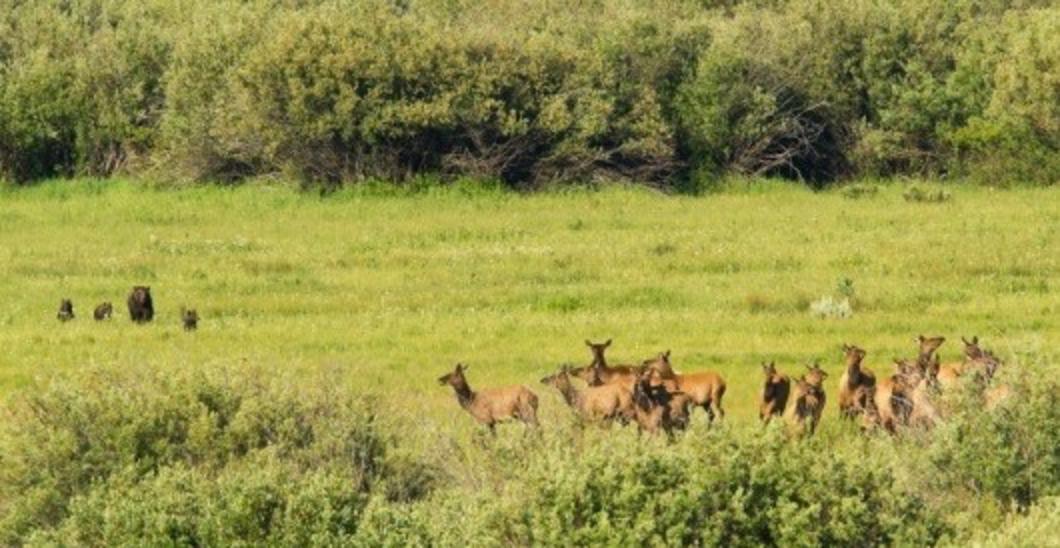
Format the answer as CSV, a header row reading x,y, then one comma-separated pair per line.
x,y
392,290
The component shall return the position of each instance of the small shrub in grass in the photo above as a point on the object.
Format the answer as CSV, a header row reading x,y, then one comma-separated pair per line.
x,y
922,194
858,191
832,307
103,441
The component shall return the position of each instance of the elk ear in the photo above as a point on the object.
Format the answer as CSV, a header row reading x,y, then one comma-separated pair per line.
x,y
667,354
587,343
975,339
608,343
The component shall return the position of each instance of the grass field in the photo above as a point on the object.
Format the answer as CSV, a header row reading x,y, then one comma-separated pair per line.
x,y
393,289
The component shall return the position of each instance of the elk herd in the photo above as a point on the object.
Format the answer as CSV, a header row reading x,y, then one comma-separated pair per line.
x,y
655,397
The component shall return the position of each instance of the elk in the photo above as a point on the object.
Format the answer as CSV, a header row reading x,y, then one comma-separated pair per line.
x,y
775,393
493,405
656,407
891,399
927,347
598,372
856,384
919,383
103,311
983,364
705,389
66,310
951,372
808,402
596,403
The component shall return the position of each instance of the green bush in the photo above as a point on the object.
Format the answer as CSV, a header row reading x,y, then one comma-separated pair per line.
x,y
224,457
155,447
747,489
1010,455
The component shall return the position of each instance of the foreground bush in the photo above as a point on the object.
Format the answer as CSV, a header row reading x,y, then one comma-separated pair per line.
x,y
205,458
222,457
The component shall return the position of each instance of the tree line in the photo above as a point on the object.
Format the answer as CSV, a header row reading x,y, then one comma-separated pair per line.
x,y
669,93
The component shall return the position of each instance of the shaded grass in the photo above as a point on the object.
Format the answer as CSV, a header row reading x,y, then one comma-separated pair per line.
x,y
393,289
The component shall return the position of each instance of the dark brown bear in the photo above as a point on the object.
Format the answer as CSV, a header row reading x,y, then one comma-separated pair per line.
x,y
66,310
141,308
103,311
191,319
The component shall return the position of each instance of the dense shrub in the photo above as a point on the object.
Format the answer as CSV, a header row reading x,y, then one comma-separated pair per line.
x,y
343,90
224,457
209,458
747,489
1010,455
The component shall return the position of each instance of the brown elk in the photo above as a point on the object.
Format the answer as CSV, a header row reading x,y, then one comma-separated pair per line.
x,y
705,388
856,384
596,403
982,364
927,347
493,405
920,383
775,393
950,373
891,399
808,402
598,372
656,408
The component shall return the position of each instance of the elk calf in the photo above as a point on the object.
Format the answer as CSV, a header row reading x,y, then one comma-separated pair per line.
x,y
66,310
774,393
596,403
656,408
494,405
705,388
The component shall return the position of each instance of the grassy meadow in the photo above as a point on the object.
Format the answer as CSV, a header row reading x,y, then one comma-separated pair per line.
x,y
306,408
391,289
